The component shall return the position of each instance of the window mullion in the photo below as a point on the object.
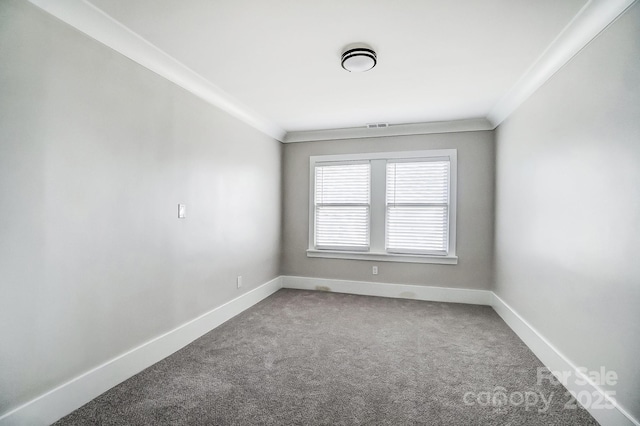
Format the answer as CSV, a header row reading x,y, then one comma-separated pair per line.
x,y
378,208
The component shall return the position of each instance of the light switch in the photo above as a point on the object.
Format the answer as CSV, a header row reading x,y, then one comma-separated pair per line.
x,y
182,211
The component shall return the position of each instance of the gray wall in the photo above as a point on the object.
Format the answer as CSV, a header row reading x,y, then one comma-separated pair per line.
x,y
568,208
475,213
95,154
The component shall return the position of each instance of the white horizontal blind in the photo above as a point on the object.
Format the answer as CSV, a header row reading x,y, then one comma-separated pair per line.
x,y
342,197
418,207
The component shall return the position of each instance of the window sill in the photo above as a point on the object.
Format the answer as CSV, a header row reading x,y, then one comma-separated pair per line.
x,y
383,257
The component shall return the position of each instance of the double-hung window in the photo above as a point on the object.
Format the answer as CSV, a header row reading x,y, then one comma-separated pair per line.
x,y
342,206
398,206
417,206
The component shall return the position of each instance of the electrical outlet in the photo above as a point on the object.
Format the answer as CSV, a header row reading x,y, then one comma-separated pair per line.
x,y
239,282
375,270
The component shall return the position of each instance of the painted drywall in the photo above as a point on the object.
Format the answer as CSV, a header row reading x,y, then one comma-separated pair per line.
x,y
474,221
95,154
568,208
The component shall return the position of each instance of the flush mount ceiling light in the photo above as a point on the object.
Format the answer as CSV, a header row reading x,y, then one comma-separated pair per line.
x,y
359,59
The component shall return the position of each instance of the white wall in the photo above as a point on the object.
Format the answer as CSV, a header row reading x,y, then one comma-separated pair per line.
x,y
96,151
568,208
95,154
474,213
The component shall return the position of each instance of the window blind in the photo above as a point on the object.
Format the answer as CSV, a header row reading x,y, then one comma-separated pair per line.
x,y
417,207
342,206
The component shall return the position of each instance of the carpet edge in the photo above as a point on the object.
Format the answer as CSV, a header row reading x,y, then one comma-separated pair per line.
x,y
402,291
71,395
554,360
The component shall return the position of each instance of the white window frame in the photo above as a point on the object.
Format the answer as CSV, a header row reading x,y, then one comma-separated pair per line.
x,y
330,248
377,213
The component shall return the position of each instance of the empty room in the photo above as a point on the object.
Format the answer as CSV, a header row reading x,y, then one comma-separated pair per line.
x,y
241,212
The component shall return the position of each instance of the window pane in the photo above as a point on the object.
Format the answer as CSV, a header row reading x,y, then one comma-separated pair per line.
x,y
342,206
344,183
421,182
342,226
417,207
417,228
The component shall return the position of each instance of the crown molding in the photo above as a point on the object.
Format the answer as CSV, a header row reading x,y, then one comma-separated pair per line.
x,y
470,125
95,23
591,20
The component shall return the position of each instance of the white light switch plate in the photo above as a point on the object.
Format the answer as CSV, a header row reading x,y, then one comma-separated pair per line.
x,y
182,211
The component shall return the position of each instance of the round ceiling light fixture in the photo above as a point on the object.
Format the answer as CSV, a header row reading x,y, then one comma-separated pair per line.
x,y
359,59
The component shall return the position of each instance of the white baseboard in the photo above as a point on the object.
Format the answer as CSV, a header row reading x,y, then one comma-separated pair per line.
x,y
58,402
541,347
62,400
403,291
554,360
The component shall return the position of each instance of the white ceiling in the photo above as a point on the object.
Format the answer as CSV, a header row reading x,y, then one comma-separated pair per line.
x,y
276,64
437,60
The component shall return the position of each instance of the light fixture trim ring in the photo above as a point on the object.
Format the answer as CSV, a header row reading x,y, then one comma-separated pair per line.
x,y
359,51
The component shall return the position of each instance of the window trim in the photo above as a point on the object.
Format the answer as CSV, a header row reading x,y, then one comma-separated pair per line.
x,y
377,226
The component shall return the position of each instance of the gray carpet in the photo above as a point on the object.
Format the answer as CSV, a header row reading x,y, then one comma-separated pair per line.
x,y
317,358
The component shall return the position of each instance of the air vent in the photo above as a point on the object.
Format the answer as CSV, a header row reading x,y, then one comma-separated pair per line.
x,y
377,125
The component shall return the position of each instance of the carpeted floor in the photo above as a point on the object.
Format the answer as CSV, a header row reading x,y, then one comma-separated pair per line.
x,y
317,358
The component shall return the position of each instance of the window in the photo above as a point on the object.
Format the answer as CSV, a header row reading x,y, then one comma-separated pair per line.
x,y
417,207
396,206
342,206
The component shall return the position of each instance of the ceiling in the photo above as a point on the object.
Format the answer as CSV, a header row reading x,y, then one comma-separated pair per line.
x,y
278,62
